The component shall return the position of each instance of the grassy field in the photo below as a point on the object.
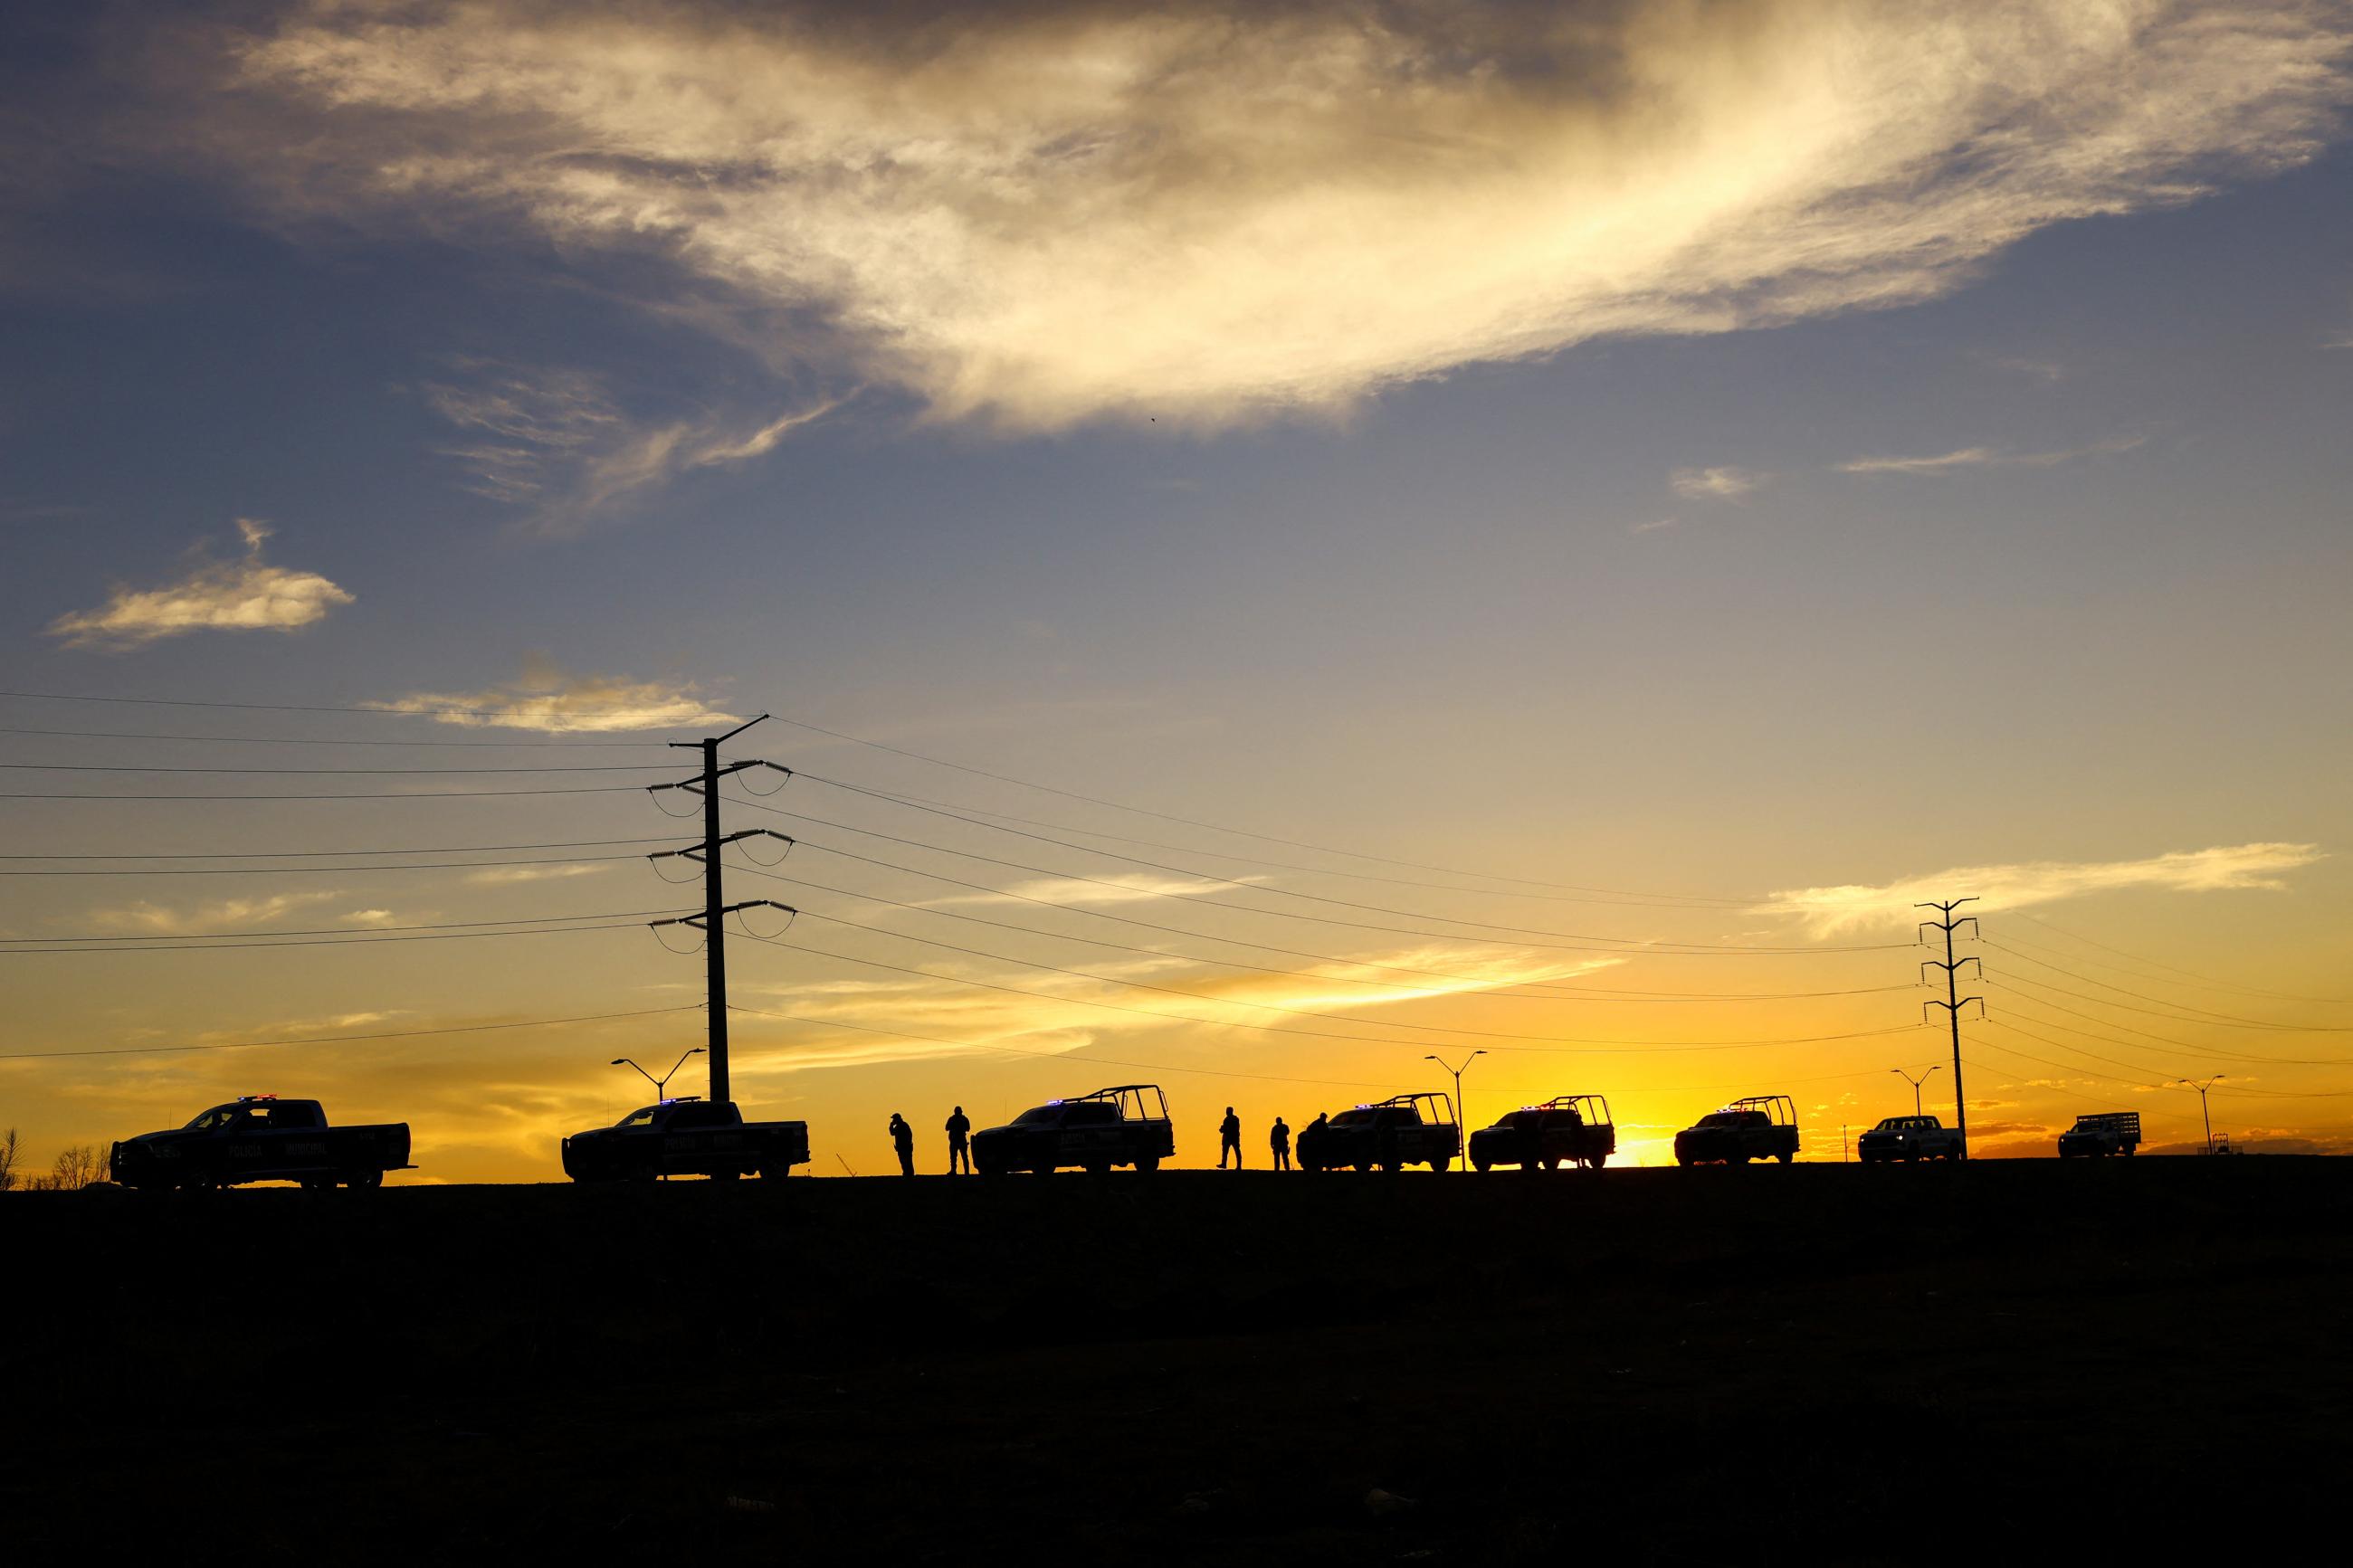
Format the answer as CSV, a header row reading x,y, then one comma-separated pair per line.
x,y
2115,1359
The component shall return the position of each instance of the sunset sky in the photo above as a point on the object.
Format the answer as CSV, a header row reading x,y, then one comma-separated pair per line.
x,y
1340,533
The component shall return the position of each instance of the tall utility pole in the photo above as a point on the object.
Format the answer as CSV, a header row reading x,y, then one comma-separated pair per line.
x,y
1915,1083
710,921
1953,1002
2202,1089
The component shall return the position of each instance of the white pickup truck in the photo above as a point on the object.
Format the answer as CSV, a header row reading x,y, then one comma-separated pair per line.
x,y
1909,1138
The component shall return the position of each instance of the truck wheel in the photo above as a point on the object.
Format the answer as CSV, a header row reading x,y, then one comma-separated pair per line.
x,y
1043,1170
1547,1162
725,1175
1482,1166
1098,1167
1147,1161
1442,1161
1785,1158
316,1185
365,1179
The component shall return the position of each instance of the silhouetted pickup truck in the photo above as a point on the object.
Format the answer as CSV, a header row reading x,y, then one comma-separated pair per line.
x,y
686,1137
1404,1129
261,1138
1126,1125
1566,1129
1909,1138
2100,1134
1759,1127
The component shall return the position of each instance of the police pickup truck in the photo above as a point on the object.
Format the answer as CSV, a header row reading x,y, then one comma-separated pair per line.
x,y
1125,1125
2100,1134
686,1137
1566,1129
1909,1138
1757,1127
1403,1129
261,1138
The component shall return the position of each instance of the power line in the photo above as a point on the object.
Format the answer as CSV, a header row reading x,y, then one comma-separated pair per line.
x,y
321,870
315,741
1186,821
1056,1055
341,1039
1565,990
1630,900
1567,1046
335,931
357,940
1636,949
305,773
1473,985
1283,892
2208,980
393,794
2181,1014
379,710
307,854
1163,1067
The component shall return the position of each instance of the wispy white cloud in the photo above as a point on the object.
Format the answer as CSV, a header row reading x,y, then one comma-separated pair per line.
x,y
1986,457
1653,526
503,875
145,919
1827,911
1045,215
559,442
1726,483
547,699
242,596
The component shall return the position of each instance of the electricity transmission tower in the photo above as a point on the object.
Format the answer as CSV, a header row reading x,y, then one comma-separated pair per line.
x,y
1953,1002
711,922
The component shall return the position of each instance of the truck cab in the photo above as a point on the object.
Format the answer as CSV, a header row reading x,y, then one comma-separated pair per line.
x,y
1390,1135
1909,1138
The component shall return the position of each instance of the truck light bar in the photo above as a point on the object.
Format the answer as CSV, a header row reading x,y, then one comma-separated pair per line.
x,y
246,1099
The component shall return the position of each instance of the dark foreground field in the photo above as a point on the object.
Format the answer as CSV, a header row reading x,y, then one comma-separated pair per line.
x,y
2101,1361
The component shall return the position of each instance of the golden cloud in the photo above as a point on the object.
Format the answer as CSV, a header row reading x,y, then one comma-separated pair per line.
x,y
548,700
1047,214
243,596
1827,911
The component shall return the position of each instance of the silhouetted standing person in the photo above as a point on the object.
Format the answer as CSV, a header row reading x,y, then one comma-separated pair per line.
x,y
959,1149
902,1138
1229,1140
1278,1140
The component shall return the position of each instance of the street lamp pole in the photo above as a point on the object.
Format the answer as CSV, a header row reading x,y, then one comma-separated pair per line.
x,y
1460,1119
2202,1089
661,1084
1915,1083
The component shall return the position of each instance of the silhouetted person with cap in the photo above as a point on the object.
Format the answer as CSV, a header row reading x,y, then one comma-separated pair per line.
x,y
959,1150
1278,1140
902,1138
1229,1140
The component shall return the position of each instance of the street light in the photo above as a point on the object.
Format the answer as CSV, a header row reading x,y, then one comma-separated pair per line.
x,y
1915,1083
661,1084
2202,1089
1458,1118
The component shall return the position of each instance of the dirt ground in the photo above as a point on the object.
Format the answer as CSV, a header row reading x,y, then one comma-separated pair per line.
x,y
2127,1359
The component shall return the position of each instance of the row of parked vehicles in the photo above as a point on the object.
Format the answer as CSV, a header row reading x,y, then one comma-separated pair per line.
x,y
261,1138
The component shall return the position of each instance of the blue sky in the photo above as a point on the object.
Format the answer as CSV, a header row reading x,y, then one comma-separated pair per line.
x,y
1714,576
